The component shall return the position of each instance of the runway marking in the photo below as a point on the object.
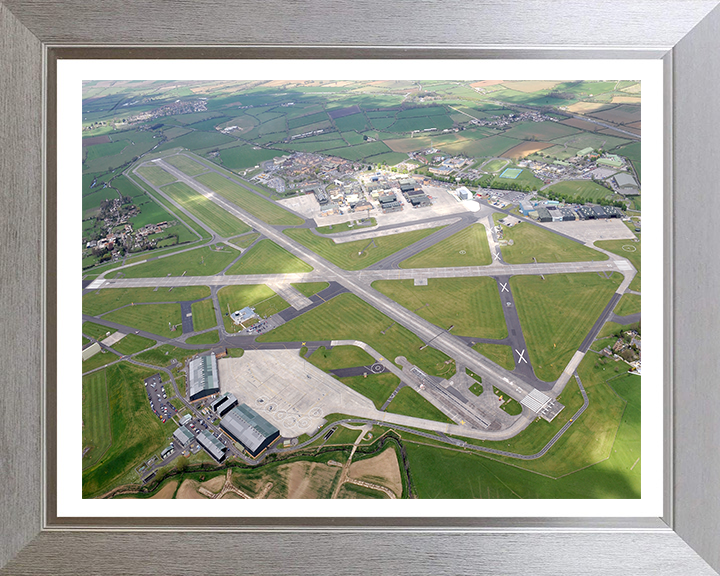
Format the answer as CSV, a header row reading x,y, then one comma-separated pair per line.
x,y
503,287
497,255
522,356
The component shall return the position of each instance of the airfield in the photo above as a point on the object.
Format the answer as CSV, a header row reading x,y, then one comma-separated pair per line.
x,y
464,340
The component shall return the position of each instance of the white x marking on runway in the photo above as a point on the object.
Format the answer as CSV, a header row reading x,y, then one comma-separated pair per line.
x,y
522,356
504,288
497,255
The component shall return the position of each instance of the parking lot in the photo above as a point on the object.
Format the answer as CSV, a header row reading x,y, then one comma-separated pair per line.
x,y
158,397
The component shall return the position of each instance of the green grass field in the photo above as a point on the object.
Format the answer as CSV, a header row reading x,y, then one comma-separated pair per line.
x,y
310,288
96,434
409,403
495,165
205,261
340,357
245,240
491,146
241,157
163,355
360,253
530,241
509,405
629,304
203,315
599,457
136,432
212,215
132,343
580,190
95,303
632,153
471,305
156,175
259,296
266,257
376,387
98,360
539,131
499,353
469,247
261,208
96,330
616,247
557,313
185,165
346,317
205,338
153,318
346,226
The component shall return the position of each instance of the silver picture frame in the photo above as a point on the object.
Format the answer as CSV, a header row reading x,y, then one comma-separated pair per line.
x,y
684,34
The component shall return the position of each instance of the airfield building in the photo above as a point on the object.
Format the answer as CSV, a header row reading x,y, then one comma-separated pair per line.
x,y
585,213
183,436
224,404
420,200
250,429
212,445
240,316
543,214
613,212
599,212
203,377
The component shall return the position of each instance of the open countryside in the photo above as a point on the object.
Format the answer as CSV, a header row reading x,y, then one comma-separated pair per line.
x,y
350,289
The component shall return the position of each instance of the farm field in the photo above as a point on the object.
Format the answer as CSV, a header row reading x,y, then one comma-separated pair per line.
x,y
557,313
136,432
245,156
212,215
526,149
469,247
266,257
476,308
204,261
153,318
360,253
540,131
632,153
101,301
491,146
532,241
346,317
261,208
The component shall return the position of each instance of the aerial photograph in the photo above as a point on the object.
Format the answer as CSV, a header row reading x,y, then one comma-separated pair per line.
x,y
298,289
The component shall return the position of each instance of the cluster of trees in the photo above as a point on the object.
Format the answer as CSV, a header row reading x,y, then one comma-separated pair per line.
x,y
582,200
